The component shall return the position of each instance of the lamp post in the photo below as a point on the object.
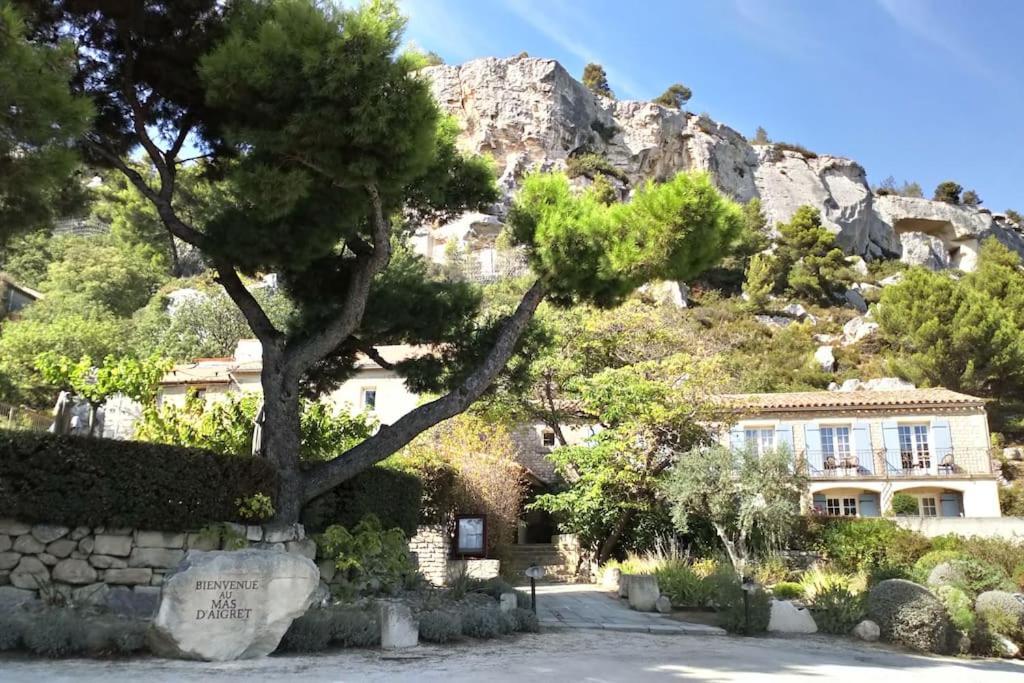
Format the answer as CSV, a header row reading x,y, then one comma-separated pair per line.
x,y
534,572
747,586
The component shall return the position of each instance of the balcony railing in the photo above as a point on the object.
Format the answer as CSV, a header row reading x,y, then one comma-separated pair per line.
x,y
896,465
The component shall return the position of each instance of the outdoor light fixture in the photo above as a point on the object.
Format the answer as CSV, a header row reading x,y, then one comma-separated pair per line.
x,y
747,586
534,572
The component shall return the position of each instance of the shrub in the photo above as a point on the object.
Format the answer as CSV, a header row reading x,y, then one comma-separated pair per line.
x,y
1002,613
860,544
817,580
1018,575
526,620
927,562
353,627
55,634
958,607
590,165
368,558
675,96
10,632
438,626
837,609
793,147
481,622
904,504
948,191
1003,552
733,612
771,570
392,496
130,483
787,590
971,576
309,633
908,614
683,586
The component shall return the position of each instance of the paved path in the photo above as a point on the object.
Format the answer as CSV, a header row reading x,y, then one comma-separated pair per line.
x,y
592,607
557,656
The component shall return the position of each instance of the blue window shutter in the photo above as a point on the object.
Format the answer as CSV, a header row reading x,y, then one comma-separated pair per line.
x,y
868,505
949,504
819,502
942,440
736,438
861,434
891,440
812,438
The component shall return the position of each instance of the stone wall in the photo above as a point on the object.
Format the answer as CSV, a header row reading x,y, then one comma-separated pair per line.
x,y
121,569
432,547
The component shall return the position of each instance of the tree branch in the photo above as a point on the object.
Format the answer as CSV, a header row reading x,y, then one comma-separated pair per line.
x,y
390,438
254,314
304,353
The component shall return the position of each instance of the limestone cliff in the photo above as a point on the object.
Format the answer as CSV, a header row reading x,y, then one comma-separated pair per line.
x,y
531,113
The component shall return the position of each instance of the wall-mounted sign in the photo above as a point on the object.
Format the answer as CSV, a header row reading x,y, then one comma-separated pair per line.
x,y
470,535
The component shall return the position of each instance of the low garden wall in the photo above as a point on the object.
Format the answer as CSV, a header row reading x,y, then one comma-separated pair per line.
x,y
118,568
432,547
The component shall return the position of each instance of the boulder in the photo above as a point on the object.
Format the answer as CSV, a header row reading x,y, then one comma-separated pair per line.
x,y
111,544
855,300
61,548
508,602
774,321
282,533
857,329
9,560
611,577
643,592
75,572
159,539
924,250
1001,607
28,545
398,627
795,311
86,545
663,604
1003,646
867,630
825,357
225,605
47,533
30,573
788,617
47,559
10,527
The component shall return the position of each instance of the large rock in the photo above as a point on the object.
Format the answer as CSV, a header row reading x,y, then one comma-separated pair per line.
x,y
9,560
29,545
75,572
398,627
787,617
643,592
47,533
225,605
867,630
909,614
30,574
920,249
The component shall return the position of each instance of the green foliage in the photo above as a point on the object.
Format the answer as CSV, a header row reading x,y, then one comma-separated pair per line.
x,y
908,614
808,259
439,626
525,620
354,627
793,147
960,334
904,504
481,622
392,496
317,629
817,581
586,251
770,570
760,137
971,575
837,610
592,165
309,633
41,123
256,507
1002,613
684,586
596,80
787,590
368,558
958,607
749,499
138,380
948,191
1011,499
970,198
864,544
927,562
1014,216
675,96
129,484
58,635
889,187
760,282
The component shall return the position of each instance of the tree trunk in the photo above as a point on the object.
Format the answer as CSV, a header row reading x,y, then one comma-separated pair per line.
x,y
282,437
93,418
736,550
605,552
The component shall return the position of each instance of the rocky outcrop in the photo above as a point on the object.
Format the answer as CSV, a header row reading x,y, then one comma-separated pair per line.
x,y
529,113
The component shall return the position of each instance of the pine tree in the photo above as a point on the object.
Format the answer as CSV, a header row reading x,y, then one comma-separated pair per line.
x,y
676,96
948,191
761,137
970,198
596,80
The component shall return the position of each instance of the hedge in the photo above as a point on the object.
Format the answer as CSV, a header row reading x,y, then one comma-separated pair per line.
x,y
391,495
82,481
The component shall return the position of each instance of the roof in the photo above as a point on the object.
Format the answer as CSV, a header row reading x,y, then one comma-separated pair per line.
x,y
221,370
27,291
828,400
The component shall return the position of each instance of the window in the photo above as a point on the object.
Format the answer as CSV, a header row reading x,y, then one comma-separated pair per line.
x,y
548,438
928,507
759,440
470,535
841,507
370,398
835,443
914,449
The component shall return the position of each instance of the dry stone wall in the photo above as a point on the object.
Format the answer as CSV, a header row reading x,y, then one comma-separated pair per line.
x,y
121,569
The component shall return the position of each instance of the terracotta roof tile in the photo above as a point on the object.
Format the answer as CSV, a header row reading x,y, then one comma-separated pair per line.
x,y
817,400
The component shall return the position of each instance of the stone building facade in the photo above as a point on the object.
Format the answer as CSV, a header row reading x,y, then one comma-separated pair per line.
x,y
860,448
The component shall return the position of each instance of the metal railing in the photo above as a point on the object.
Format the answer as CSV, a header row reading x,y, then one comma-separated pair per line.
x,y
896,465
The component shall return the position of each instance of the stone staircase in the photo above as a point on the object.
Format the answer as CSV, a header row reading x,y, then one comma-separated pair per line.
x,y
516,558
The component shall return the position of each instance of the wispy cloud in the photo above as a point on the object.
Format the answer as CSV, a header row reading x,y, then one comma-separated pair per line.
x,y
437,25
552,19
918,17
770,25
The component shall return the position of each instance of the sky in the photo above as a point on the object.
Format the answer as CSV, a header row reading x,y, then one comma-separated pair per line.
x,y
922,90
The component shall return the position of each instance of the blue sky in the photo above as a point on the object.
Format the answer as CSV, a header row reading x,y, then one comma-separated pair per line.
x,y
923,90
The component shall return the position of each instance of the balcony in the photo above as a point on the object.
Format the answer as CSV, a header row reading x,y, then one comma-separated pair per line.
x,y
881,463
